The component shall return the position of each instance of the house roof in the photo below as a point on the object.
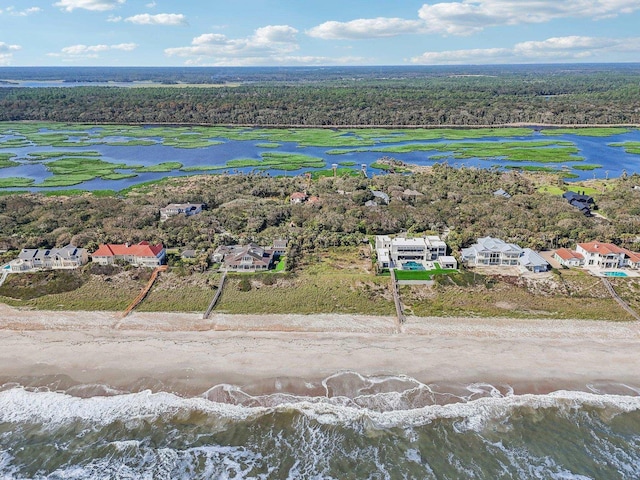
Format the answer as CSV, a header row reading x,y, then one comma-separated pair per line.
x,y
601,248
530,258
257,254
142,249
41,253
566,254
496,245
501,193
298,196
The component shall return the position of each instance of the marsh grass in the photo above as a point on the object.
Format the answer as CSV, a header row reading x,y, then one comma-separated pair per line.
x,y
586,131
160,167
6,160
16,182
629,147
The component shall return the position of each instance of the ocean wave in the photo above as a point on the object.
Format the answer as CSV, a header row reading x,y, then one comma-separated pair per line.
x,y
19,405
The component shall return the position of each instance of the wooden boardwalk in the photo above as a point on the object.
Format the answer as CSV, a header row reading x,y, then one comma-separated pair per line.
x,y
396,299
145,290
621,302
215,297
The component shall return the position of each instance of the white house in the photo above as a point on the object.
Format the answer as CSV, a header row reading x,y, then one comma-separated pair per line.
x,y
394,252
492,251
607,255
568,258
64,258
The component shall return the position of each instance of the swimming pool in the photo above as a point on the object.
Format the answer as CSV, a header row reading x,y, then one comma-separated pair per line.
x,y
413,266
615,274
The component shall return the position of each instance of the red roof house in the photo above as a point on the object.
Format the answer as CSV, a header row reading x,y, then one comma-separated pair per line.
x,y
142,254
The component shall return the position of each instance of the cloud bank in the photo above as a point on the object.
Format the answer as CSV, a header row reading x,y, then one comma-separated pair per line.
x,y
556,49
471,16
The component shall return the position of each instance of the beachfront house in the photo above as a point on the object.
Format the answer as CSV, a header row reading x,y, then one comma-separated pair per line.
x,y
186,209
65,258
142,254
533,261
607,255
490,251
398,251
568,258
245,258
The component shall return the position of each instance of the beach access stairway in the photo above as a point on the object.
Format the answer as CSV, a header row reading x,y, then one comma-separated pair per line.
x,y
621,302
215,297
145,290
396,299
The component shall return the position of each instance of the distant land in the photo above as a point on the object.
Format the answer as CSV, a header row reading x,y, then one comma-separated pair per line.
x,y
417,96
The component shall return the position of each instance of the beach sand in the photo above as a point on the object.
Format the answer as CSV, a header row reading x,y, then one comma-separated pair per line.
x,y
185,354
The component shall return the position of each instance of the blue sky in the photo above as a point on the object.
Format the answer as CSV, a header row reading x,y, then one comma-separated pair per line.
x,y
314,32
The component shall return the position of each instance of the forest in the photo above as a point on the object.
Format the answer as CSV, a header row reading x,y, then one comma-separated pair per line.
x,y
391,96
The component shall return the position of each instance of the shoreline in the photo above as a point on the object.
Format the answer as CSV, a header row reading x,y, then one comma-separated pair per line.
x,y
184,354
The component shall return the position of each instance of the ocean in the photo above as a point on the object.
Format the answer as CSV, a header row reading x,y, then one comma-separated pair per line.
x,y
347,426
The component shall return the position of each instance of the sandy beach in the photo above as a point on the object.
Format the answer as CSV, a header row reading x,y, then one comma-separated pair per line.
x,y
183,353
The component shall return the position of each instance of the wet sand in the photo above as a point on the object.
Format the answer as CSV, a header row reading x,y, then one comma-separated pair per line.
x,y
183,353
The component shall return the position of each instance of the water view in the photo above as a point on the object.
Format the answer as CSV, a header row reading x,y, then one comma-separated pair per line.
x,y
39,156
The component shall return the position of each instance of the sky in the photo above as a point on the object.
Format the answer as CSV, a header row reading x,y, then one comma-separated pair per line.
x,y
316,32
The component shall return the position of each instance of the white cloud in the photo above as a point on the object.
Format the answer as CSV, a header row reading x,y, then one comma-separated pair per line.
x,y
21,13
556,49
6,52
94,5
92,51
114,19
266,44
159,19
366,28
151,5
466,17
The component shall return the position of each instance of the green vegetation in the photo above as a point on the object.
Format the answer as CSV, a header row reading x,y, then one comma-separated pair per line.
x,y
37,156
340,172
131,143
586,166
204,168
160,168
422,275
27,286
629,147
279,161
268,145
347,164
5,160
586,131
15,143
73,171
15,182
533,168
543,151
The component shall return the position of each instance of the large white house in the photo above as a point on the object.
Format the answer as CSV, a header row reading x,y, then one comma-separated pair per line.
x,y
492,251
395,252
607,255
64,258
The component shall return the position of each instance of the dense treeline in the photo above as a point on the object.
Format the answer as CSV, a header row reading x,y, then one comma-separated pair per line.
x,y
498,96
245,208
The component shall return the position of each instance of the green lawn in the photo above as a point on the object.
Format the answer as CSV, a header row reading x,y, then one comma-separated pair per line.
x,y
421,275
